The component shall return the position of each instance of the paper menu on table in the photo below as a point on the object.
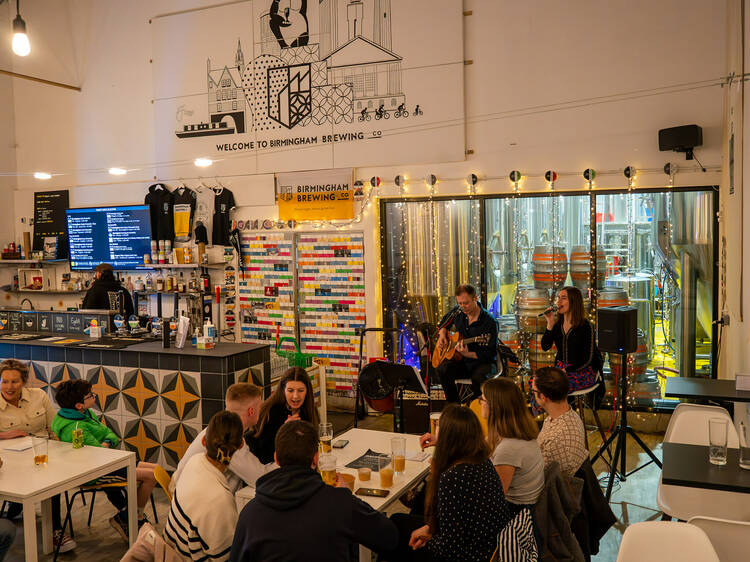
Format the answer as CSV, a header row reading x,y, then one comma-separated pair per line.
x,y
18,444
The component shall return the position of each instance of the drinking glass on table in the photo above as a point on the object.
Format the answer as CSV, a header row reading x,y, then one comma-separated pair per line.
x,y
744,447
40,446
385,469
398,450
327,467
717,439
325,433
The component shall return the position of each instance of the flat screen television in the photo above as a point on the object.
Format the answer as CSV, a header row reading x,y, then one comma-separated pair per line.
x,y
119,236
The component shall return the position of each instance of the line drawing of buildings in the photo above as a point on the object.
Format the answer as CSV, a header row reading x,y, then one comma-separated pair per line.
x,y
352,69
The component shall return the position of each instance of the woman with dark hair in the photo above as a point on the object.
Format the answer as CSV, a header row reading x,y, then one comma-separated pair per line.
x,y
573,337
203,514
464,505
292,400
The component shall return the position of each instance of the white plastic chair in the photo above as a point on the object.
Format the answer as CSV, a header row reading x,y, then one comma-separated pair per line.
x,y
657,541
689,425
730,539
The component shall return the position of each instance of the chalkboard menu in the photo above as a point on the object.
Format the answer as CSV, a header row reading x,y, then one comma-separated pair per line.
x,y
49,220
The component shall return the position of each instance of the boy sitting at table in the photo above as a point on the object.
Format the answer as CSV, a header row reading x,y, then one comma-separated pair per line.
x,y
76,400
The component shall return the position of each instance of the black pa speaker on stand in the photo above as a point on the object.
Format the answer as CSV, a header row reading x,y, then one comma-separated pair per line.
x,y
617,329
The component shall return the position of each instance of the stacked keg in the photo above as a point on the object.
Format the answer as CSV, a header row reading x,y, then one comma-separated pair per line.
x,y
537,356
550,266
529,304
580,268
508,332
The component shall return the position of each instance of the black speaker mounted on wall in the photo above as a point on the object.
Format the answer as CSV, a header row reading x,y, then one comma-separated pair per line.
x,y
681,139
617,328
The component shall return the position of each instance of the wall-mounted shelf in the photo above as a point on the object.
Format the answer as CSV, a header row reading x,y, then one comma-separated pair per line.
x,y
33,292
32,262
154,292
146,267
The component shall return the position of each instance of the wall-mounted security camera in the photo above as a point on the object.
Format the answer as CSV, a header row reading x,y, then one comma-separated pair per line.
x,y
681,139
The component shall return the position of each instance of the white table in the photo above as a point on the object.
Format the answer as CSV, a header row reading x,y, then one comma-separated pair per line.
x,y
380,441
22,482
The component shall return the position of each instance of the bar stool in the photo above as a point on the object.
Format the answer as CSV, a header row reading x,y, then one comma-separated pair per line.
x,y
581,402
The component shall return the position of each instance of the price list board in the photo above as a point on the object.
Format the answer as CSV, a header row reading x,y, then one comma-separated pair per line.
x,y
266,288
331,304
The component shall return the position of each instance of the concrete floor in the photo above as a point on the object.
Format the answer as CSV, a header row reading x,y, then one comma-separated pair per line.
x,y
632,501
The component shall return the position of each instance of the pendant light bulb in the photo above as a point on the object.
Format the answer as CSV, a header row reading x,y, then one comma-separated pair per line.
x,y
21,45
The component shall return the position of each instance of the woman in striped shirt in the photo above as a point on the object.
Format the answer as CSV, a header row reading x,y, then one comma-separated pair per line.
x,y
203,514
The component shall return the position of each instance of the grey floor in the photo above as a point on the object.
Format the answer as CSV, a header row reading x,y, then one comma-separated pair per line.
x,y
632,501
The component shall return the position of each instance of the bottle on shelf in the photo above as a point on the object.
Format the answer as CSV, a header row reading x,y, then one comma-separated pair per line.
x,y
205,285
193,285
168,282
129,284
139,285
149,282
181,284
160,283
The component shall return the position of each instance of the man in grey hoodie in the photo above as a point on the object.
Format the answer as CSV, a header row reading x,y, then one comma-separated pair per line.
x,y
296,517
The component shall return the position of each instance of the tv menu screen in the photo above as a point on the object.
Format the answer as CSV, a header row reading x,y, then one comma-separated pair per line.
x,y
119,236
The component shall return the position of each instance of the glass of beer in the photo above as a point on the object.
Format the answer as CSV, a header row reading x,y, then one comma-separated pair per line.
x,y
363,473
434,419
325,433
40,446
398,450
349,479
385,465
327,467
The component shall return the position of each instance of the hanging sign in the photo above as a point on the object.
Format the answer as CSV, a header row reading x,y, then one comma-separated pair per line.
x,y
316,195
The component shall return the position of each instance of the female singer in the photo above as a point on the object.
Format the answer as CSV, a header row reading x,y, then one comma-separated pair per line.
x,y
573,337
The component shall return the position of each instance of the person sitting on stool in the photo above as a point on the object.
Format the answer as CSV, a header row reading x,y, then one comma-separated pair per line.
x,y
477,361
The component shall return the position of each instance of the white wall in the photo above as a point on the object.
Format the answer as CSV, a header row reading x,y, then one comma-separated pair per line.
x,y
553,85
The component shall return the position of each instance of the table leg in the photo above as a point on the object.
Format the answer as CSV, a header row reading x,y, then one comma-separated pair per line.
x,y
47,545
132,502
29,530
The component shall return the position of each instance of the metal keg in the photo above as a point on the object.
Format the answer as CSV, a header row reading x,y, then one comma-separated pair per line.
x,y
529,304
640,287
550,266
637,362
538,357
612,297
580,267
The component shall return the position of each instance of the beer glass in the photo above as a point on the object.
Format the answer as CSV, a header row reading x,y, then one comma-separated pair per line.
x,y
717,441
325,433
398,450
385,465
40,446
327,467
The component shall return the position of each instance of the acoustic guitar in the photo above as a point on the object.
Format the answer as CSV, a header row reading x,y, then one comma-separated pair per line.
x,y
449,351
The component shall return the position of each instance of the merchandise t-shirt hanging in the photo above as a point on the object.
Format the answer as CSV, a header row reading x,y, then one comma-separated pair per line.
x,y
184,206
204,207
223,203
160,203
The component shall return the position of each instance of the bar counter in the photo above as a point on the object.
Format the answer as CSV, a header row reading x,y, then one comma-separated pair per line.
x,y
157,400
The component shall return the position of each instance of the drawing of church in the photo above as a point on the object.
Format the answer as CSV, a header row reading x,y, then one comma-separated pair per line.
x,y
351,68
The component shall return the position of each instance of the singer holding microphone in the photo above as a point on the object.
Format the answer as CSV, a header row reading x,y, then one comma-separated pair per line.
x,y
573,337
477,361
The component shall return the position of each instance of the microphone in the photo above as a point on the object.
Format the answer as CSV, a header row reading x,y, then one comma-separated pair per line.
x,y
551,308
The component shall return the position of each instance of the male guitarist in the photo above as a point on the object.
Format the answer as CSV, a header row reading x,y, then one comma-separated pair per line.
x,y
477,361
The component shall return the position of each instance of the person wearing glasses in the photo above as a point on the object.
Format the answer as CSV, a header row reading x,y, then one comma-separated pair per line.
x,y
28,411
76,399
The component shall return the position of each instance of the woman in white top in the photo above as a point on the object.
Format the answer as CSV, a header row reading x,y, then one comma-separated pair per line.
x,y
512,432
203,514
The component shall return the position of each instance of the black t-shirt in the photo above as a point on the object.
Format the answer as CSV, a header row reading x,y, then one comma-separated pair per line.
x,y
160,202
223,203
184,207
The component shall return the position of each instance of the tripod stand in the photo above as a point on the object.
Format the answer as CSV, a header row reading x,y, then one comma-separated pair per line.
x,y
621,433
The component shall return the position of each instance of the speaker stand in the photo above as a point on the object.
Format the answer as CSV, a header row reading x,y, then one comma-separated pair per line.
x,y
621,433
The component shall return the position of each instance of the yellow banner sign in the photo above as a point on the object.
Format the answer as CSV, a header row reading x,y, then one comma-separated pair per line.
x,y
316,195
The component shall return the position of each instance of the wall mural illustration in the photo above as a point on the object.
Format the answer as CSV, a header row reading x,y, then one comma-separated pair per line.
x,y
312,74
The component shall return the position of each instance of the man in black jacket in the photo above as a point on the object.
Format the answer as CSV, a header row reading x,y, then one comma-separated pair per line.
x,y
104,292
296,517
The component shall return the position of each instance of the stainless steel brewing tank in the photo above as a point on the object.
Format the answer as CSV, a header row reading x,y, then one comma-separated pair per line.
x,y
640,289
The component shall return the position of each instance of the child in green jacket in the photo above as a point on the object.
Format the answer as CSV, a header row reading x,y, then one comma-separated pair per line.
x,y
76,400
